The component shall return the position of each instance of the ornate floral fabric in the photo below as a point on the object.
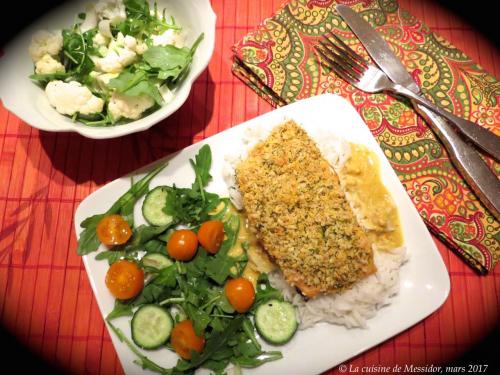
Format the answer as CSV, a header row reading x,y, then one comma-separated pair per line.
x,y
278,61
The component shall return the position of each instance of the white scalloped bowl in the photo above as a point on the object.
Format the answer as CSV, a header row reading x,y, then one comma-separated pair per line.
x,y
28,101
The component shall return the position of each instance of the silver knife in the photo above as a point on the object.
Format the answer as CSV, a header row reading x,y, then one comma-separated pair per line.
x,y
465,158
392,66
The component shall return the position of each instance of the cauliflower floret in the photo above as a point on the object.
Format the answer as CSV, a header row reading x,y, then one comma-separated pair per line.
x,y
102,79
118,55
48,65
131,43
115,60
141,48
70,98
45,42
168,37
112,10
104,27
130,107
100,40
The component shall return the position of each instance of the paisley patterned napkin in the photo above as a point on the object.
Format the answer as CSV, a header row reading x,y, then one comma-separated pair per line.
x,y
278,61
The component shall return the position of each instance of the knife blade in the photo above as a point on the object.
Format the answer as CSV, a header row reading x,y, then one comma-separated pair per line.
x,y
466,159
378,49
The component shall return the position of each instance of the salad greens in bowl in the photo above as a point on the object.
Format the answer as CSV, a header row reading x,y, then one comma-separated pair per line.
x,y
107,68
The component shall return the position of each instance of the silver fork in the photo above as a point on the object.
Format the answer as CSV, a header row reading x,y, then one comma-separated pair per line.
x,y
367,77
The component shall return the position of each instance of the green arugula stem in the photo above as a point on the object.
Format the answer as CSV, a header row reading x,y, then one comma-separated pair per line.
x,y
222,316
210,302
144,361
200,184
68,55
249,331
171,300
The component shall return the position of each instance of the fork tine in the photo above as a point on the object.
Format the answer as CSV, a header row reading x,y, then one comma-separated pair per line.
x,y
341,57
359,59
337,59
338,69
344,75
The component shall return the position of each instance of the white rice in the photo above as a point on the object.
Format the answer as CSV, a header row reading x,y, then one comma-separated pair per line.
x,y
353,307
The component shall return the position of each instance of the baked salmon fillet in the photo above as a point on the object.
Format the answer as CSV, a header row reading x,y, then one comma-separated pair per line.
x,y
295,206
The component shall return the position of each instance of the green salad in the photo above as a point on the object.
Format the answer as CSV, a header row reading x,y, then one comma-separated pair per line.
x,y
120,61
179,280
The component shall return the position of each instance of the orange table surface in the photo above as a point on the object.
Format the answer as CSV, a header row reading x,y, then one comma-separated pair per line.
x,y
45,297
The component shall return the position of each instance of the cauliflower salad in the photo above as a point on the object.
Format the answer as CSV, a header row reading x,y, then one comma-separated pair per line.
x,y
119,62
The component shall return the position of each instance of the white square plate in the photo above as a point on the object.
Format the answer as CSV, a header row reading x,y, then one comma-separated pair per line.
x,y
424,279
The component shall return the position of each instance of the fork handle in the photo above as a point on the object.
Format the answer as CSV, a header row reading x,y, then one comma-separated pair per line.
x,y
466,159
481,137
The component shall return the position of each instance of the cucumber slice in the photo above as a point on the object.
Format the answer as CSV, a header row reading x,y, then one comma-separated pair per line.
x,y
152,208
151,326
276,321
156,260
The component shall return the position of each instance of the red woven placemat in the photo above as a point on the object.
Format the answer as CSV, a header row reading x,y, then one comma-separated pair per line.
x,y
45,296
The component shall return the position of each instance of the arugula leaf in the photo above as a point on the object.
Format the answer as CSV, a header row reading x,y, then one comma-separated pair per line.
x,y
185,71
187,206
246,348
214,344
120,309
145,88
159,288
135,84
249,330
96,119
223,303
110,255
169,61
201,167
143,238
140,22
193,206
132,26
76,52
199,317
143,234
154,246
127,79
167,57
196,267
137,8
251,362
265,292
127,210
88,241
220,266
166,277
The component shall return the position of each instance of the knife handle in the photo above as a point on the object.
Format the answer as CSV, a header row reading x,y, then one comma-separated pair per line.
x,y
466,159
481,137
